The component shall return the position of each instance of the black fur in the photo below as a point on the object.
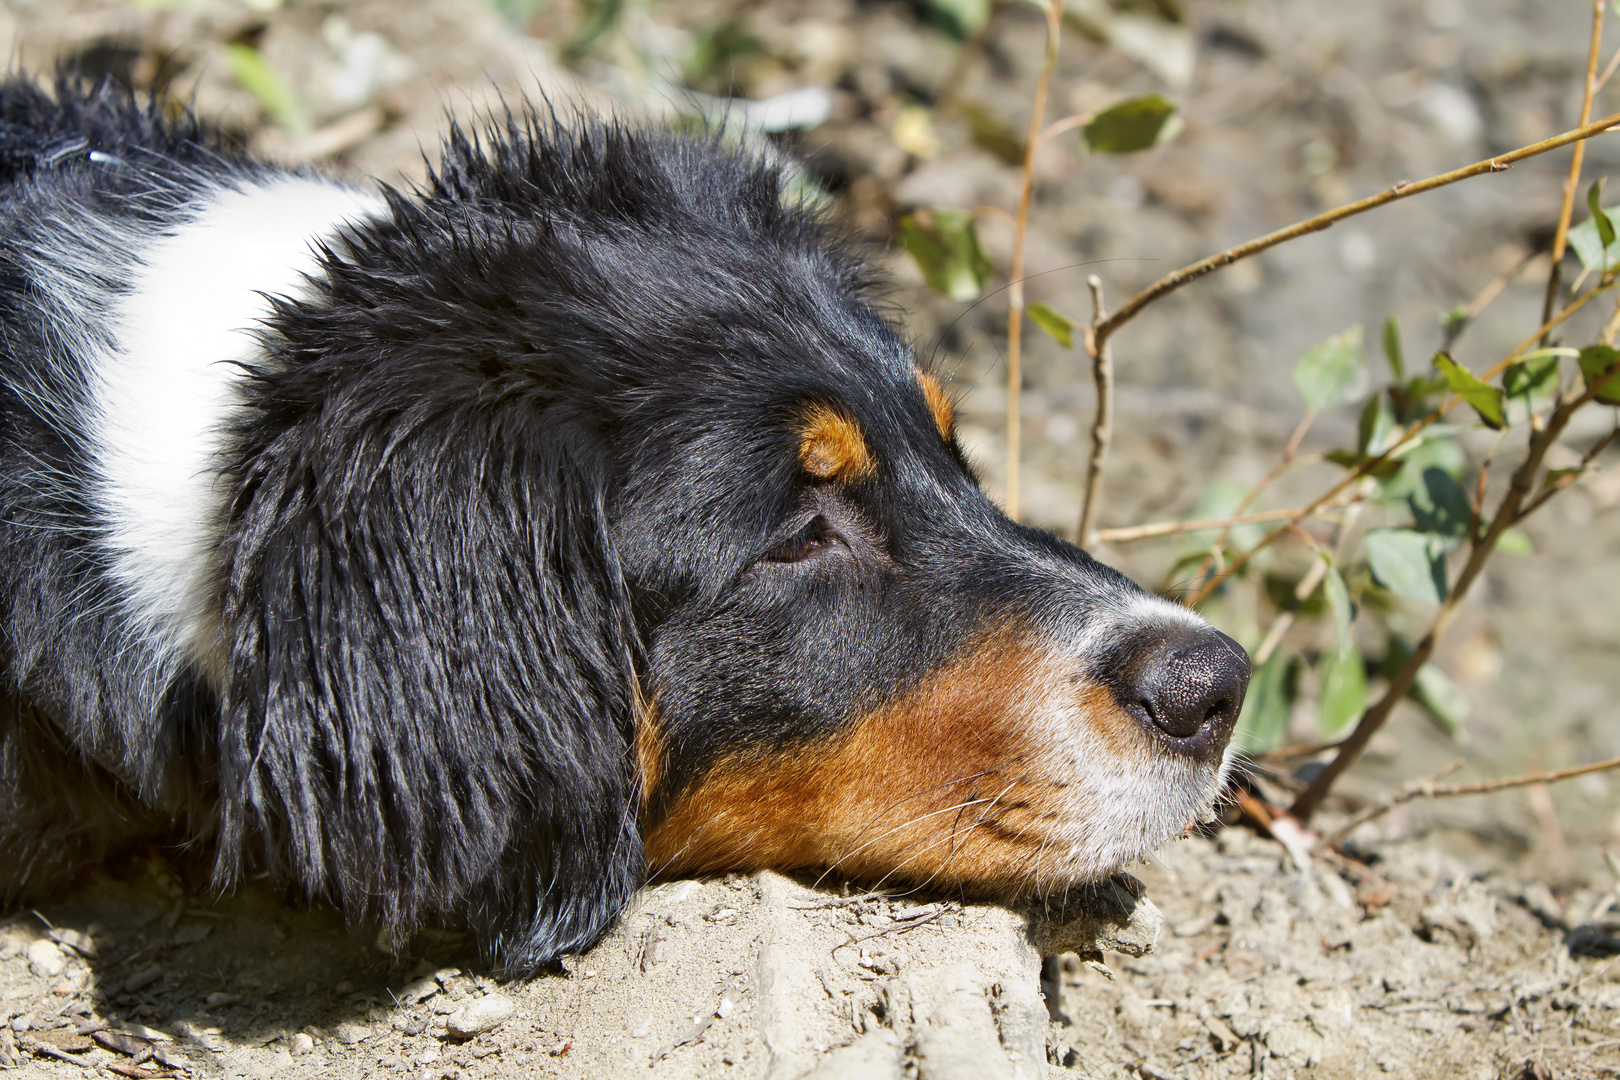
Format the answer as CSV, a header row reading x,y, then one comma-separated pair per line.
x,y
516,474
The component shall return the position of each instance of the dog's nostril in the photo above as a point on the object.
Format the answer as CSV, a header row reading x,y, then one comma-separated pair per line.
x,y
1192,683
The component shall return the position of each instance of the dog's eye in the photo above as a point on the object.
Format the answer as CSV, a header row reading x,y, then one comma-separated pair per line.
x,y
814,539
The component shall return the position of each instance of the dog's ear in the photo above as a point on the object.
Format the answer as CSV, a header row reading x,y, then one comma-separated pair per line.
x,y
429,704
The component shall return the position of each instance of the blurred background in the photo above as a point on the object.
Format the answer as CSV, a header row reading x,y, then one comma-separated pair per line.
x,y
1284,108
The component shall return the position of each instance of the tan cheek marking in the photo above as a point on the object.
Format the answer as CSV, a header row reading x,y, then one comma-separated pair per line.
x,y
938,403
649,745
947,784
832,445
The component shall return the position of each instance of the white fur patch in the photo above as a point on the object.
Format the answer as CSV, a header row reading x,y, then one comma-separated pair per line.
x,y
165,385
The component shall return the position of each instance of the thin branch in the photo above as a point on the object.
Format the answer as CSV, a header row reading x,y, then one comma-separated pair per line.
x,y
1285,463
1173,281
1484,298
1302,592
1480,552
1428,789
1549,490
1015,292
1561,236
1367,467
1102,425
1603,79
995,211
1172,528
1068,123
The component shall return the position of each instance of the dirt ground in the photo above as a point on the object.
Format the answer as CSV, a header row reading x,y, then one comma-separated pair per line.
x,y
1472,938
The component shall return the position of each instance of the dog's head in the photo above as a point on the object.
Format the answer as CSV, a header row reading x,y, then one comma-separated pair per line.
x,y
621,537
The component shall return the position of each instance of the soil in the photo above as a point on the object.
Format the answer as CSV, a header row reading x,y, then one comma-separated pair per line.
x,y
1468,938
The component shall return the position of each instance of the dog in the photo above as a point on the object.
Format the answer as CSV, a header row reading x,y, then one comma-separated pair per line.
x,y
482,551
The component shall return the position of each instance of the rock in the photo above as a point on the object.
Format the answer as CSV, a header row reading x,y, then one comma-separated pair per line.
x,y
216,1001
952,1026
142,979
419,990
348,1034
1113,916
300,1044
45,959
877,1055
485,1014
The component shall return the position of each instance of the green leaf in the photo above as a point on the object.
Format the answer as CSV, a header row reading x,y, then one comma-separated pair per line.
x,y
1408,563
1442,699
1392,349
945,244
267,87
1221,498
1533,376
1598,365
1375,426
1338,599
1441,508
991,135
1344,692
1451,320
1332,371
1486,399
1263,724
1515,542
1054,322
1130,126
961,18
1605,227
1588,245
1350,459
1432,691
1436,448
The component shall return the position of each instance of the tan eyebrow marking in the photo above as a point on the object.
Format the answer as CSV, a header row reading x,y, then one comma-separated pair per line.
x,y
832,445
938,404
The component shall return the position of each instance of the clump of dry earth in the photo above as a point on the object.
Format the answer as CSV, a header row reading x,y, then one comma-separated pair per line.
x,y
1408,965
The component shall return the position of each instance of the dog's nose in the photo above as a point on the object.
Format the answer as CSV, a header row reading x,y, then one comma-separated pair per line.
x,y
1190,688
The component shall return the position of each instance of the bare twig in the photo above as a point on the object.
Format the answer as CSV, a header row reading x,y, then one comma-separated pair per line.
x,y
1580,470
1187,274
1603,79
1127,534
1068,123
1484,298
1285,463
1302,592
1480,552
1367,467
1015,291
1561,236
1428,789
1102,425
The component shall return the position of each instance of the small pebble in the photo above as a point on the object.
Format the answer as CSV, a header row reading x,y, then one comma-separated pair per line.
x,y
45,959
348,1034
418,991
301,1044
215,1001
727,1007
142,979
485,1014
